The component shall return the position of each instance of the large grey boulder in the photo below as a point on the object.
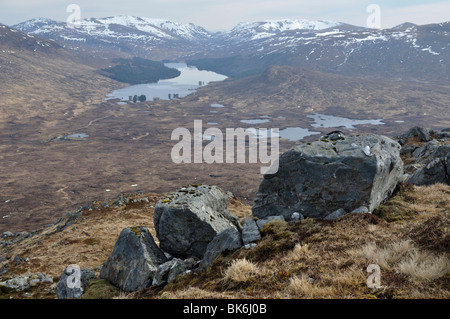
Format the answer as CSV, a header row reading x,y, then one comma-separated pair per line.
x,y
316,179
133,261
190,218
229,239
73,282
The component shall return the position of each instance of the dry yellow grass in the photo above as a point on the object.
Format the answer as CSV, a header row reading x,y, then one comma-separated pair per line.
x,y
306,259
241,270
403,257
318,259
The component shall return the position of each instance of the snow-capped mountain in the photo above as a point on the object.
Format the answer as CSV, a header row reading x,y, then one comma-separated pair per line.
x,y
406,51
259,30
107,27
12,40
151,38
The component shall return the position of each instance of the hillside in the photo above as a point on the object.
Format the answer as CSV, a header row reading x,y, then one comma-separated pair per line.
x,y
407,236
39,77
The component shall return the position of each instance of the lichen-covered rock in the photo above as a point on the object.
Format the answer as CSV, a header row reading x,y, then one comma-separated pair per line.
x,y
186,221
316,179
133,261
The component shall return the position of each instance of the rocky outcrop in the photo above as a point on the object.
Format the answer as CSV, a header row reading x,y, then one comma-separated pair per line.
x,y
420,134
435,171
428,155
316,179
188,220
134,260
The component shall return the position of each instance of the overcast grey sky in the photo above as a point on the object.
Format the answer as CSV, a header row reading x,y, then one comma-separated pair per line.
x,y
217,15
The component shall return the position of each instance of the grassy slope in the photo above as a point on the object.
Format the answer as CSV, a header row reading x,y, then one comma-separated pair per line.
x,y
319,259
408,237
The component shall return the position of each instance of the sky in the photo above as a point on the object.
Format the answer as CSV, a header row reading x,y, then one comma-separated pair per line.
x,y
217,15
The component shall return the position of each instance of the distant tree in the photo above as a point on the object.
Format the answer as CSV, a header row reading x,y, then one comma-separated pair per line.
x,y
142,98
170,96
130,98
135,98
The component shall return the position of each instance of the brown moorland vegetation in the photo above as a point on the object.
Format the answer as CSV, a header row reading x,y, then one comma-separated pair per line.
x,y
408,237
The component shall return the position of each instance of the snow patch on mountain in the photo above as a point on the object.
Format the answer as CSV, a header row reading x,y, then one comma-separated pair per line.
x,y
107,27
265,29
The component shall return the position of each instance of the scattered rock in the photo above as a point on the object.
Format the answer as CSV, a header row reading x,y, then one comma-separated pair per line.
x,y
160,277
443,134
229,239
171,269
429,163
336,135
432,149
134,260
436,171
189,219
250,232
7,234
360,210
296,217
121,200
316,178
180,267
336,214
21,283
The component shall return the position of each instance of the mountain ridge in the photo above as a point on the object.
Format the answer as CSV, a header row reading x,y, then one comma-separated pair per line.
x,y
407,51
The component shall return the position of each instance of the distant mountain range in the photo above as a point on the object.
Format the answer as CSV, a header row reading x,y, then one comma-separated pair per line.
x,y
407,51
